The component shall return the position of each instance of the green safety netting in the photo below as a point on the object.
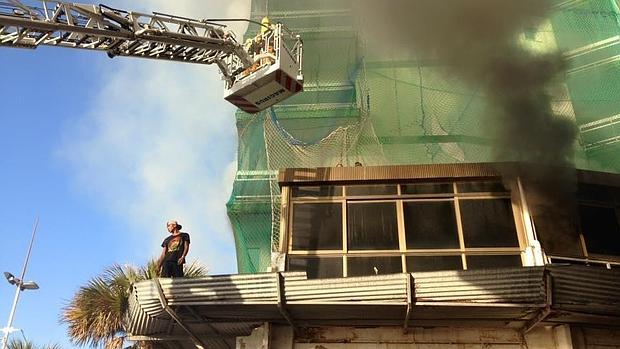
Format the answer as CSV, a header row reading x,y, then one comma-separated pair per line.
x,y
379,109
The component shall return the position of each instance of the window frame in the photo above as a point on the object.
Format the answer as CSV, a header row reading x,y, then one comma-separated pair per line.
x,y
399,199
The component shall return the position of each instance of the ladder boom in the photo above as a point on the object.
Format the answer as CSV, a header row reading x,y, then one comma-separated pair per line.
x,y
121,33
266,69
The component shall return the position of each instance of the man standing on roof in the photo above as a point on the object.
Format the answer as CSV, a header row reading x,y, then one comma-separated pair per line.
x,y
176,246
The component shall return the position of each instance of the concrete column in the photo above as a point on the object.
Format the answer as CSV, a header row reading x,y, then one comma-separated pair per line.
x,y
556,337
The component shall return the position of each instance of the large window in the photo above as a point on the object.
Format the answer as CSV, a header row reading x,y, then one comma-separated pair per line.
x,y
600,229
599,221
357,230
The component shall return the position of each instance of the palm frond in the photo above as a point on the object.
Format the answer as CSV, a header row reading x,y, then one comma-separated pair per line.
x,y
26,344
52,346
20,344
96,312
149,271
195,270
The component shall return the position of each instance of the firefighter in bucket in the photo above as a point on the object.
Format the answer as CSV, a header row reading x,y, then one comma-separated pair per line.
x,y
261,47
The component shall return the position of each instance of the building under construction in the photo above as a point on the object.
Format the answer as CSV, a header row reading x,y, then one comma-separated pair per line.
x,y
383,208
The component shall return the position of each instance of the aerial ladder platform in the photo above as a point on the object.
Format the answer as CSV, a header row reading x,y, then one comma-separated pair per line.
x,y
259,73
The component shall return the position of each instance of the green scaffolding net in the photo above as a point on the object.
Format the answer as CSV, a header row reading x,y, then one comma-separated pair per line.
x,y
377,108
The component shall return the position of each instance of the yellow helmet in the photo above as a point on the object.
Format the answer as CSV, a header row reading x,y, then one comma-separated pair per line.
x,y
266,25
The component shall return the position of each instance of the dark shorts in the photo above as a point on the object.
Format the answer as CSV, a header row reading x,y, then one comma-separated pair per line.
x,y
172,269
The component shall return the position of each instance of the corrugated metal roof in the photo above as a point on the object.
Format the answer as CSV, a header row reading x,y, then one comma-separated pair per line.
x,y
231,305
378,289
145,314
586,289
509,286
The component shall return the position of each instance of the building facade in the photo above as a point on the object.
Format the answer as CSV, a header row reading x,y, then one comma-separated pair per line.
x,y
381,107
372,211
412,256
356,221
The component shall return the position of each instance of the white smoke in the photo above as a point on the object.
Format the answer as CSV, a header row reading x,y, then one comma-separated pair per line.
x,y
159,143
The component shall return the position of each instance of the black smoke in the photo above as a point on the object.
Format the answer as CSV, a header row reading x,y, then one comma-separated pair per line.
x,y
478,42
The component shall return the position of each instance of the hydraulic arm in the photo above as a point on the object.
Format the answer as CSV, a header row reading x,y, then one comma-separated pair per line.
x,y
121,33
259,73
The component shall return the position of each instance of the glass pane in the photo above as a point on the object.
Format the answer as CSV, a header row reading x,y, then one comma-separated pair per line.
x,y
430,225
317,191
317,226
488,223
600,229
481,187
372,226
362,266
360,190
427,188
317,268
433,263
481,262
558,229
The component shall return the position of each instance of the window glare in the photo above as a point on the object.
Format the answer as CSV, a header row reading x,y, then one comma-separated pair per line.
x,y
317,226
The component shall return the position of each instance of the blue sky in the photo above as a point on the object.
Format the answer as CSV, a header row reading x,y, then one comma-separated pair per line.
x,y
104,152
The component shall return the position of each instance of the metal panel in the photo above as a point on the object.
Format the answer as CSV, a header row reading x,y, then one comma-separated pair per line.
x,y
386,173
586,289
231,305
205,329
508,285
146,315
142,315
239,289
308,176
384,289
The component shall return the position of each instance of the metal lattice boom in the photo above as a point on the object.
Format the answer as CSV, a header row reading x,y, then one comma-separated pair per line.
x,y
121,33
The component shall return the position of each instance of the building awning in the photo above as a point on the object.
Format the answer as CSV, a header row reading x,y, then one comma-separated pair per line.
x,y
408,173
212,311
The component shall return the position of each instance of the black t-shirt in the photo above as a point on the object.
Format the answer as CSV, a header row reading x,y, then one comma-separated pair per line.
x,y
174,244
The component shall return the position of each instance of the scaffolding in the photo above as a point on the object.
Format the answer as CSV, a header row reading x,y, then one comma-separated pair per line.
x,y
379,109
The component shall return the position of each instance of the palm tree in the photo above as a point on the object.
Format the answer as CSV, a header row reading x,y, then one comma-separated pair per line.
x,y
26,344
96,312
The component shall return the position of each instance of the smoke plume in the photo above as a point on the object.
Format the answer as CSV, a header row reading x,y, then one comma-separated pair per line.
x,y
478,42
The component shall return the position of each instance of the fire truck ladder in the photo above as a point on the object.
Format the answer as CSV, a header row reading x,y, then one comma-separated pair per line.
x,y
122,33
